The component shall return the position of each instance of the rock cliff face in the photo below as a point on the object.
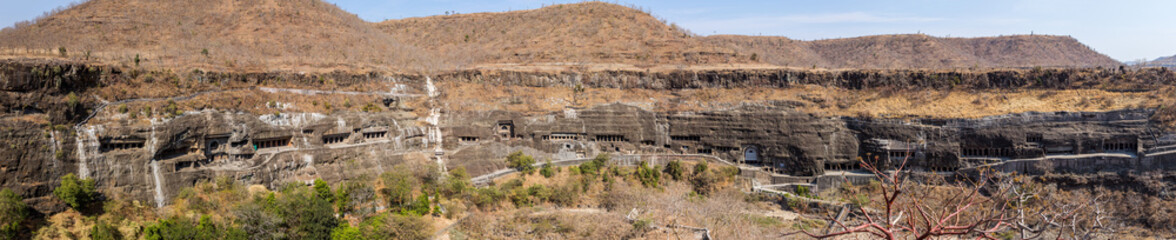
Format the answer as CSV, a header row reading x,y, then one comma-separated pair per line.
x,y
794,143
47,135
849,79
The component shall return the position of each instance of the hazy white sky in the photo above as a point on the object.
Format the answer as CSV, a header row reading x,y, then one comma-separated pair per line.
x,y
1125,30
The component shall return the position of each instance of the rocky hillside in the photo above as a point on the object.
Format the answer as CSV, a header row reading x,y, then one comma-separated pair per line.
x,y
596,32
590,32
1169,61
918,51
227,34
311,35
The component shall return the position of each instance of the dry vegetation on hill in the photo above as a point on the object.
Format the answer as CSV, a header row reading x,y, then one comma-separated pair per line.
x,y
918,51
311,35
590,32
249,35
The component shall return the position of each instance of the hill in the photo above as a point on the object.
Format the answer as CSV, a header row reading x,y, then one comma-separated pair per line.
x,y
311,35
1169,61
589,32
232,34
596,32
918,51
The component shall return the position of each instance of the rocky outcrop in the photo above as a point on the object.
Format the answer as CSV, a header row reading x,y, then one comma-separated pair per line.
x,y
151,159
1068,78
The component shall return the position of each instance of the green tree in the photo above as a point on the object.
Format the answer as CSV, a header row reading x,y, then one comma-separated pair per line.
x,y
257,222
346,232
176,227
704,181
458,183
305,215
323,190
75,192
13,212
674,169
420,207
397,189
522,162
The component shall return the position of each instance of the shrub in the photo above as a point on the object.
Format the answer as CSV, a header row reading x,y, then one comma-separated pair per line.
x,y
122,108
704,182
594,166
390,226
540,192
488,198
397,189
547,170
641,224
13,212
511,185
700,168
183,228
75,192
346,232
322,190
72,100
420,207
565,195
521,162
520,197
62,52
803,191
674,170
650,177
172,109
370,107
104,231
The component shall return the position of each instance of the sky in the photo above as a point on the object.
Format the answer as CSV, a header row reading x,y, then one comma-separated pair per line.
x,y
1126,30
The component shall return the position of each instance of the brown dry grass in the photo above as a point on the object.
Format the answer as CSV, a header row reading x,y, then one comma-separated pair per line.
x,y
601,212
314,36
918,51
574,34
252,35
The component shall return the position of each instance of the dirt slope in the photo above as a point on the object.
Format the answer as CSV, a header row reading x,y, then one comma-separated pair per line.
x,y
238,34
589,32
918,51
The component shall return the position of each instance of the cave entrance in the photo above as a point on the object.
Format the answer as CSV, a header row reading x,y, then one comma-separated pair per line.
x,y
751,154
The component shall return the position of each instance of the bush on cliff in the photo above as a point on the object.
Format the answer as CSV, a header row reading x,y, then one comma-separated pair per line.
x,y
75,192
12,213
674,169
521,162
